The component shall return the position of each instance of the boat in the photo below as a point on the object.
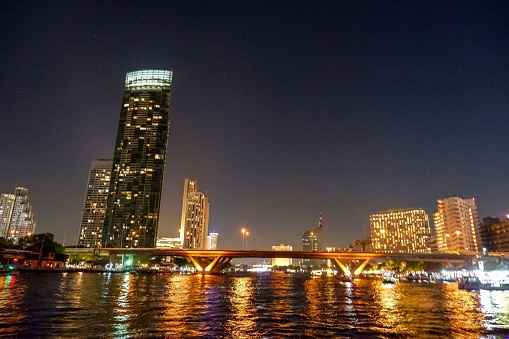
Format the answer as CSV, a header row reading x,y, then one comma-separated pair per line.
x,y
388,278
473,283
9,270
316,273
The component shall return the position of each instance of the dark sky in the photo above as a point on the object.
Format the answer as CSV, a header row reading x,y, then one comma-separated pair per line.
x,y
279,108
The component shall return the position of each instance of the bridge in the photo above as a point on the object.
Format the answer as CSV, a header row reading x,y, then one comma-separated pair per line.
x,y
214,261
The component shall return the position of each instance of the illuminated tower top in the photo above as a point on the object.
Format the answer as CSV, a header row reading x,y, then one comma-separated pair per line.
x,y
149,79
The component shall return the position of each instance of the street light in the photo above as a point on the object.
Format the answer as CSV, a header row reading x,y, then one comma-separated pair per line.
x,y
247,233
243,234
459,244
132,239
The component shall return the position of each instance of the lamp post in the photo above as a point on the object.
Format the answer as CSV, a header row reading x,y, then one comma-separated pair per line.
x,y
459,244
132,239
243,235
247,233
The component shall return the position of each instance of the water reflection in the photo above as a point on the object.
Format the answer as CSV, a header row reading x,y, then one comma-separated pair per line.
x,y
270,306
243,319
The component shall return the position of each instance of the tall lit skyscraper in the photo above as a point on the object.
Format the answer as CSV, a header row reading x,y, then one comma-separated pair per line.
x,y
400,231
212,241
94,207
312,239
457,225
195,217
16,217
132,213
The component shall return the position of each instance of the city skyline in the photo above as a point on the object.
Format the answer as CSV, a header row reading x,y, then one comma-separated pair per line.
x,y
279,110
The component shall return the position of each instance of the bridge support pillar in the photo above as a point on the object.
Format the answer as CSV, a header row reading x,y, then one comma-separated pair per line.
x,y
208,265
359,269
340,265
113,258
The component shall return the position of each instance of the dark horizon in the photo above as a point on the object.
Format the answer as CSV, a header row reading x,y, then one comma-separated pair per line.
x,y
279,110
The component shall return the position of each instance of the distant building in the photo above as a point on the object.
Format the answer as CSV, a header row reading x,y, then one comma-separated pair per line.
x,y
339,249
432,244
282,261
495,234
312,239
362,245
457,225
400,231
132,213
169,243
195,217
16,217
94,207
212,241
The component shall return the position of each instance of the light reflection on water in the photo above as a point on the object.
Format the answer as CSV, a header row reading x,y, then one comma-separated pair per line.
x,y
113,305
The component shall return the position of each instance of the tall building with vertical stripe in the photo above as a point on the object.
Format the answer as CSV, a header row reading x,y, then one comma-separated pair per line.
x,y
16,217
134,199
195,217
94,207
457,226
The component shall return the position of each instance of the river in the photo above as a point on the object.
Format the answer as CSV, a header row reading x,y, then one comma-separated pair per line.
x,y
115,305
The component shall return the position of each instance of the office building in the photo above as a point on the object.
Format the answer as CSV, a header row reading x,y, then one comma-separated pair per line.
x,y
312,240
169,243
400,231
94,207
281,261
132,212
457,225
16,217
495,234
195,217
212,241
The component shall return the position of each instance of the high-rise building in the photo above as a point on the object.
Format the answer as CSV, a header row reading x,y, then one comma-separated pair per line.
x,y
16,217
495,234
457,225
312,239
94,207
195,217
212,241
132,212
400,231
282,261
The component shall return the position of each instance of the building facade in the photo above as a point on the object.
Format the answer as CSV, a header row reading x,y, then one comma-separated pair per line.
x,y
134,198
16,217
400,231
281,261
495,234
212,241
312,240
195,217
457,225
94,207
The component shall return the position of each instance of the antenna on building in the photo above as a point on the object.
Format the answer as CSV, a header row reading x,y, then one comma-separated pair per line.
x,y
320,221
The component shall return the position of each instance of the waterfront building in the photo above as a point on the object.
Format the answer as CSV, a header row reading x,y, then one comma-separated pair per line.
x,y
16,217
94,207
457,225
169,243
212,241
133,204
282,261
195,217
400,231
362,245
312,239
347,249
495,234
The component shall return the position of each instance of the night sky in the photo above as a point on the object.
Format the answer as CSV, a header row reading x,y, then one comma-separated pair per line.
x,y
279,108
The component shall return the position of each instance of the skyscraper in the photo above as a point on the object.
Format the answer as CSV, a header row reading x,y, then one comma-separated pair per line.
x,y
132,213
195,217
312,239
212,241
94,207
400,231
457,225
16,217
